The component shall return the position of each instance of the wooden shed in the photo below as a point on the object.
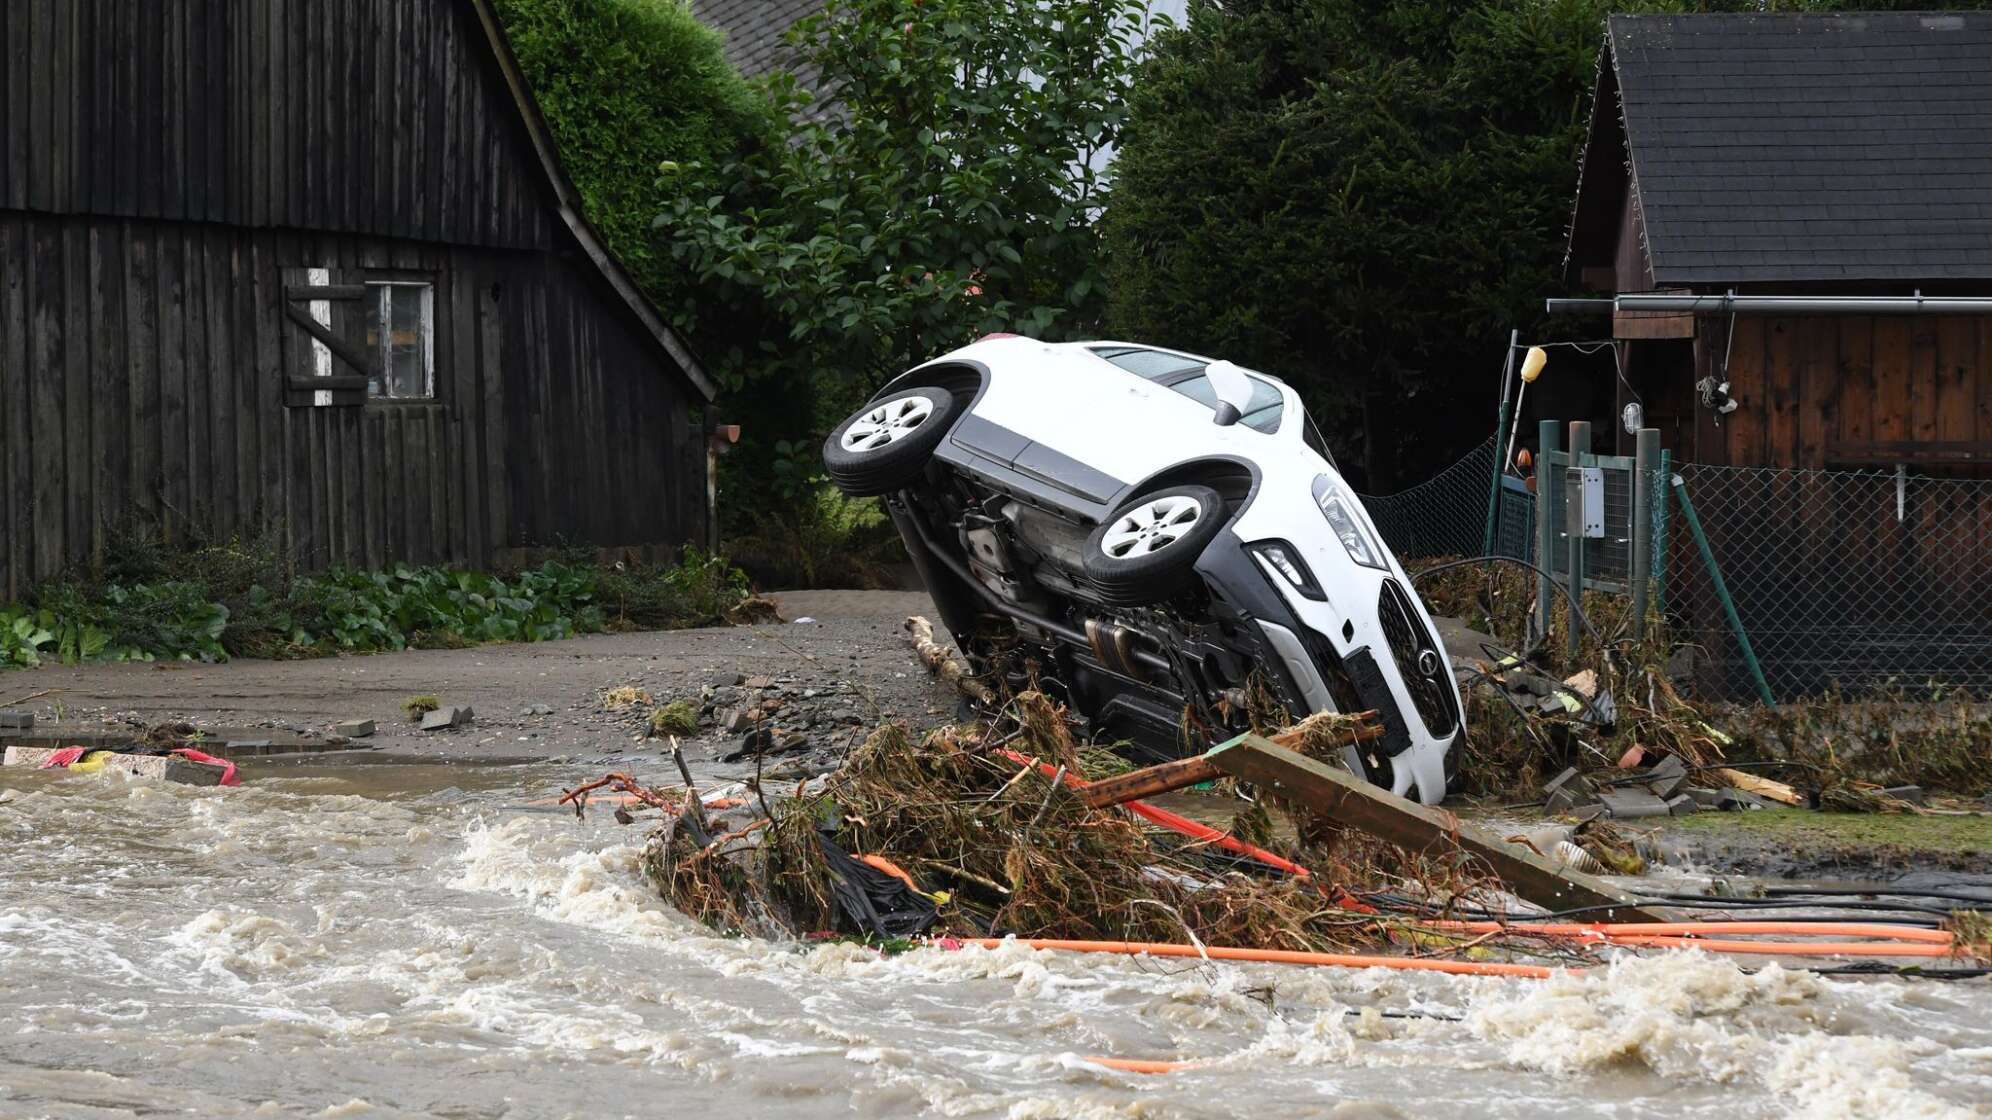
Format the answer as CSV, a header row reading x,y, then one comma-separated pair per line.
x,y
313,266
1831,157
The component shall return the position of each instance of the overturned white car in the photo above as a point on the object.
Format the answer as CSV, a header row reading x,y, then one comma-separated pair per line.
x,y
1144,531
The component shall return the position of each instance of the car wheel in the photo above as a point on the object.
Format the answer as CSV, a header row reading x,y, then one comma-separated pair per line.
x,y
1146,551
887,443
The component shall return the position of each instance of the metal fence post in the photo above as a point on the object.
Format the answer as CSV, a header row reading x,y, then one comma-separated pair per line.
x,y
1646,457
1660,520
1549,437
1722,591
1573,522
1500,468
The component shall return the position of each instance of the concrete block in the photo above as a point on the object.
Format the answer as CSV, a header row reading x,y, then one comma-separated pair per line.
x,y
13,719
158,767
441,718
1630,804
1681,804
354,728
1667,777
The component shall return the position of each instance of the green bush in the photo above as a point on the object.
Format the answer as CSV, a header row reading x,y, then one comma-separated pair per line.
x,y
629,86
349,611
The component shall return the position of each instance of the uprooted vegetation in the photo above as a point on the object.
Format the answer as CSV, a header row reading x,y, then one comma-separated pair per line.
x,y
986,841
237,599
1523,724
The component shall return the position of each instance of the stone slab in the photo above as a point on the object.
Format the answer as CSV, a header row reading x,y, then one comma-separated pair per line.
x,y
155,766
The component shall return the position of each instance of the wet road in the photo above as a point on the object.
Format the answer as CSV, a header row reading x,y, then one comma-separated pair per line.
x,y
390,941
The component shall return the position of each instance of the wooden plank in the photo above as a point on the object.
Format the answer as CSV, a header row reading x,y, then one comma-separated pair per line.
x,y
494,401
222,403
1854,379
45,327
19,107
395,486
268,395
1748,377
1149,781
79,504
1348,800
111,387
172,490
415,475
1892,414
16,500
373,427
1761,786
142,371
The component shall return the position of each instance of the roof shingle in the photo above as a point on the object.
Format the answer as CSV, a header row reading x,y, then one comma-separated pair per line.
x,y
1773,146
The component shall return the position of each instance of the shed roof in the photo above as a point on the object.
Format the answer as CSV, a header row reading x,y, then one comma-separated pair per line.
x,y
756,32
1795,147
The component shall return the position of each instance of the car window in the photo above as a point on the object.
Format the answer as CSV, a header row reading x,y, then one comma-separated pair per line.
x,y
1312,436
1151,364
1262,413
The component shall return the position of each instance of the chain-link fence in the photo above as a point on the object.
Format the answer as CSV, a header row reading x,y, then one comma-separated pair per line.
x,y
1446,515
1848,579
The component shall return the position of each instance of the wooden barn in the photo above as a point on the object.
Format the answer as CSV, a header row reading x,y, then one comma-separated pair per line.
x,y
1792,215
312,266
1834,174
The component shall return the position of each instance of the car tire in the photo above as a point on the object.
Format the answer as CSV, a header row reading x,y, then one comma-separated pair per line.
x,y
1146,551
886,444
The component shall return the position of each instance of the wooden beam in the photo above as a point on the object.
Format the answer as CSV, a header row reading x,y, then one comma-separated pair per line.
x,y
1348,800
1149,781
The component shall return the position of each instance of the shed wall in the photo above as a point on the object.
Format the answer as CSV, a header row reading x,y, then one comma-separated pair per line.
x,y
141,387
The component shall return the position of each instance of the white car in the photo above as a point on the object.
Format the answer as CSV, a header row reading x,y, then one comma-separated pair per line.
x,y
1143,531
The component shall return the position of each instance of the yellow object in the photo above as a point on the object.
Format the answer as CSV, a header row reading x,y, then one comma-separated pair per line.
x,y
1532,364
92,763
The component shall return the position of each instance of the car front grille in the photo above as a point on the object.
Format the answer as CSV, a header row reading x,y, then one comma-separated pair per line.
x,y
1432,694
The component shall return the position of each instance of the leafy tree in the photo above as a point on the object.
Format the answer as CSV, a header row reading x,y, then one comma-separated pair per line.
x,y
627,85
1362,196
943,184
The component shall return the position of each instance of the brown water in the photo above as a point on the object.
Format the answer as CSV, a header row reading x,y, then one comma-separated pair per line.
x,y
405,941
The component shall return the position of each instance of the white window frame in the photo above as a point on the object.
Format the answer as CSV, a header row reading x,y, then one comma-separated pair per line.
x,y
378,290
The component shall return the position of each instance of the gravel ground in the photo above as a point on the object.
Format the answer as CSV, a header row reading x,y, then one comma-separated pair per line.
x,y
848,667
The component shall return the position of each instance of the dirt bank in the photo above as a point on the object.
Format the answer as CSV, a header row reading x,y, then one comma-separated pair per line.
x,y
853,654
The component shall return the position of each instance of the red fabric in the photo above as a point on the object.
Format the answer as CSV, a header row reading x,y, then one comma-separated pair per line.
x,y
1178,824
63,757
228,777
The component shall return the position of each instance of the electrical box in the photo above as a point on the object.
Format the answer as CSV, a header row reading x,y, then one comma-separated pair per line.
x,y
1591,483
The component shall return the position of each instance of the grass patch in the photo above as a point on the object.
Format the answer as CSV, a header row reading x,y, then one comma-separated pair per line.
x,y
1807,830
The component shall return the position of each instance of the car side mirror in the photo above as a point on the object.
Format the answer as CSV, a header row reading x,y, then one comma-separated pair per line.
x,y
1233,389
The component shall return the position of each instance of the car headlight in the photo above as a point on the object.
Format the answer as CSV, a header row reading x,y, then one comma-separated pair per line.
x,y
1347,528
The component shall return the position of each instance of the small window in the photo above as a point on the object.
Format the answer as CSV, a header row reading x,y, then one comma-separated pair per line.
x,y
400,334
1151,364
1262,413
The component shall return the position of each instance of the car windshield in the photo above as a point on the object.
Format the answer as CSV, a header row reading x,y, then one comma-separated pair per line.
x,y
1185,375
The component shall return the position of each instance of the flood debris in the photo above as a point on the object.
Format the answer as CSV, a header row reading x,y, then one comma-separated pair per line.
x,y
182,765
445,718
354,728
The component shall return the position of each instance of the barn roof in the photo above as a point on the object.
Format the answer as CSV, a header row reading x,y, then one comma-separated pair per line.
x,y
756,31
1786,147
568,204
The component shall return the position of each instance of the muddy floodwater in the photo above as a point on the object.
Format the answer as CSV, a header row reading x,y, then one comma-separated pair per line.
x,y
387,941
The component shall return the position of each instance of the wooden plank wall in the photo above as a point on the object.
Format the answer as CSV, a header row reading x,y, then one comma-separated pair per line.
x,y
365,116
1804,549
141,367
1803,384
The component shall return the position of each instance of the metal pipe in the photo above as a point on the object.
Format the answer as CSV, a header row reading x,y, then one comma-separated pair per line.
x,y
1500,465
1722,592
1733,304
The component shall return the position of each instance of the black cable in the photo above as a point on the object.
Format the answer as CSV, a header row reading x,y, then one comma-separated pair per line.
x,y
1576,610
1861,892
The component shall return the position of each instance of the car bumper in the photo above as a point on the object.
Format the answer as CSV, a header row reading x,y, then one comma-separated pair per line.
x,y
1300,654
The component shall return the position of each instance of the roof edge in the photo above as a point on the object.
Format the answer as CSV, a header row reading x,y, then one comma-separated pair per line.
x,y
568,203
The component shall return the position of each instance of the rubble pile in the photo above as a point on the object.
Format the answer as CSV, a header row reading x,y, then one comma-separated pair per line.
x,y
964,833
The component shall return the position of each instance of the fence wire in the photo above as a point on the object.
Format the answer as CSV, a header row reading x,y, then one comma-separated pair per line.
x,y
1850,579
1446,515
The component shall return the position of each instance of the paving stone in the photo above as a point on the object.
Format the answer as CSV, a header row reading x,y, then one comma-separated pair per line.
x,y
14,719
354,728
453,716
